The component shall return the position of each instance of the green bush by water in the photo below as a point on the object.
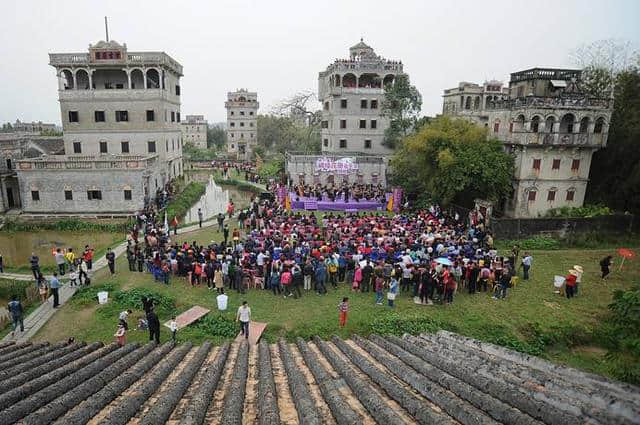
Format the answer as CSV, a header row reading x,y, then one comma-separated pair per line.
x,y
240,184
575,212
183,202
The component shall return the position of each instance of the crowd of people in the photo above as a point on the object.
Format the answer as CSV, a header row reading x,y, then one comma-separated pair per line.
x,y
247,169
344,192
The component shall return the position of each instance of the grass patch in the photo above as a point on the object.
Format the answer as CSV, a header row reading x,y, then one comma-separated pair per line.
x,y
183,202
584,240
67,225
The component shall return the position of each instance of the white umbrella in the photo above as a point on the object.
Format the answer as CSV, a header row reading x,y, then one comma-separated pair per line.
x,y
444,261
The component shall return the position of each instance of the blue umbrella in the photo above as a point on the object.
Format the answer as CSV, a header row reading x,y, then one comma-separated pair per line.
x,y
444,261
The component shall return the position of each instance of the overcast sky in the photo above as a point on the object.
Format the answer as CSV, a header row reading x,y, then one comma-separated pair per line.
x,y
278,47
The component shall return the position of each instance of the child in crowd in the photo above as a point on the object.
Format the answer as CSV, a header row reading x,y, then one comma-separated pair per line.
x,y
73,277
121,334
343,308
173,326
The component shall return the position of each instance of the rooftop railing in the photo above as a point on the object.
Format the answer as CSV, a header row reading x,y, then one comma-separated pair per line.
x,y
550,102
132,58
557,139
107,162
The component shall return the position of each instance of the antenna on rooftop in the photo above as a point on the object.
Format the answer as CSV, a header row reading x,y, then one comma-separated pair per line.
x,y
106,28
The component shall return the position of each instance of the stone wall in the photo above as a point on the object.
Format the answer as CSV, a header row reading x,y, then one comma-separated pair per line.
x,y
112,183
516,228
367,167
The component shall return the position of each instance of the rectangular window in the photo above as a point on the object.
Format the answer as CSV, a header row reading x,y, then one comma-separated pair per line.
x,y
343,144
94,195
250,112
551,195
325,142
232,124
575,165
556,164
326,106
343,123
122,116
363,104
363,123
166,145
496,127
241,124
178,116
98,116
73,116
151,147
35,195
367,144
231,112
532,195
374,123
68,195
570,194
77,147
324,124
374,104
177,90
127,194
343,103
510,127
124,146
103,147
241,112
173,116
536,164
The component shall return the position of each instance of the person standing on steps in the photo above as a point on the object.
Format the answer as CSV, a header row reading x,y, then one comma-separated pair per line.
x,y
244,317
16,310
154,326
111,260
200,216
54,284
34,261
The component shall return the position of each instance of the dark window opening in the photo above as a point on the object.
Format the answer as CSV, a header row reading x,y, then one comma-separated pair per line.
x,y
151,115
374,123
363,104
122,116
374,104
127,194
556,164
35,195
532,195
68,195
77,147
94,195
367,144
551,196
177,90
151,147
99,116
343,103
343,144
536,164
343,123
103,147
73,116
124,147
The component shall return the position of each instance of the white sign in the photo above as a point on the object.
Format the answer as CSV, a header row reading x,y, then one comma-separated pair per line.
x,y
339,166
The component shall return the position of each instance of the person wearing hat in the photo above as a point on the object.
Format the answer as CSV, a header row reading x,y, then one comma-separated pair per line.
x,y
570,283
580,271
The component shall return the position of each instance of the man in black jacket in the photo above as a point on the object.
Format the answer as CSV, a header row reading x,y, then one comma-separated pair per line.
x,y
154,326
111,260
367,271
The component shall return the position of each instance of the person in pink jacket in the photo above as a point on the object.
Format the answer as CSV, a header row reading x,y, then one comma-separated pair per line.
x,y
357,278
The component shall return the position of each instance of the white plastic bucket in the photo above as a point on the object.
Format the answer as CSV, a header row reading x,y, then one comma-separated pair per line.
x,y
222,302
103,296
558,281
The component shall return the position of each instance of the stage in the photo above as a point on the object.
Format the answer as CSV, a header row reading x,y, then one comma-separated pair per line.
x,y
312,203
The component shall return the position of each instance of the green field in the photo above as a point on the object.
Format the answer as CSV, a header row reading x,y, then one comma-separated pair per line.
x,y
532,319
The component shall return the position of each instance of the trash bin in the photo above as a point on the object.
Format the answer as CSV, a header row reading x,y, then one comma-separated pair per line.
x,y
103,296
222,302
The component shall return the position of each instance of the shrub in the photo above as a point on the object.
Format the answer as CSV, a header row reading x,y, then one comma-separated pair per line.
x,y
132,298
240,184
89,294
584,211
396,324
179,206
217,326
536,242
67,225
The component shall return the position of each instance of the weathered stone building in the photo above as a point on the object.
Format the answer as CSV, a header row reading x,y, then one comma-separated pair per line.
x,y
32,127
194,130
304,168
351,92
242,123
121,121
472,100
552,128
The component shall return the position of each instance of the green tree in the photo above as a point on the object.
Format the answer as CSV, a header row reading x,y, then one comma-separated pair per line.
x,y
279,134
216,137
402,103
614,177
452,160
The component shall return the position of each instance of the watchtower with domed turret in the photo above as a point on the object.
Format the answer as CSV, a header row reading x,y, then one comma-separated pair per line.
x,y
351,91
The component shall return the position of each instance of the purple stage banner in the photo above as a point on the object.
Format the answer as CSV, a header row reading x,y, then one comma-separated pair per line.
x,y
282,194
397,199
339,166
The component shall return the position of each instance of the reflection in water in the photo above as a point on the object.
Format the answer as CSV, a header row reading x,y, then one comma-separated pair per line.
x,y
16,247
214,201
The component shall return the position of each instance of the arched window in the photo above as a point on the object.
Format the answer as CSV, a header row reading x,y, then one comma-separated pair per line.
x,y
82,79
371,81
566,124
67,76
467,104
584,124
153,79
388,79
550,121
518,124
349,81
535,124
137,79
476,103
599,126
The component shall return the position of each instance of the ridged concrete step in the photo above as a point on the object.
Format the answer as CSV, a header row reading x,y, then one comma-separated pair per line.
x,y
431,379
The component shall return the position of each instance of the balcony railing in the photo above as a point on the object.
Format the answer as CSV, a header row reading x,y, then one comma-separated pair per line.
x,y
108,162
132,58
378,65
556,139
550,102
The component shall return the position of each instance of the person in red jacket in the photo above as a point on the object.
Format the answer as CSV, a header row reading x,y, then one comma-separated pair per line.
x,y
570,283
88,256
